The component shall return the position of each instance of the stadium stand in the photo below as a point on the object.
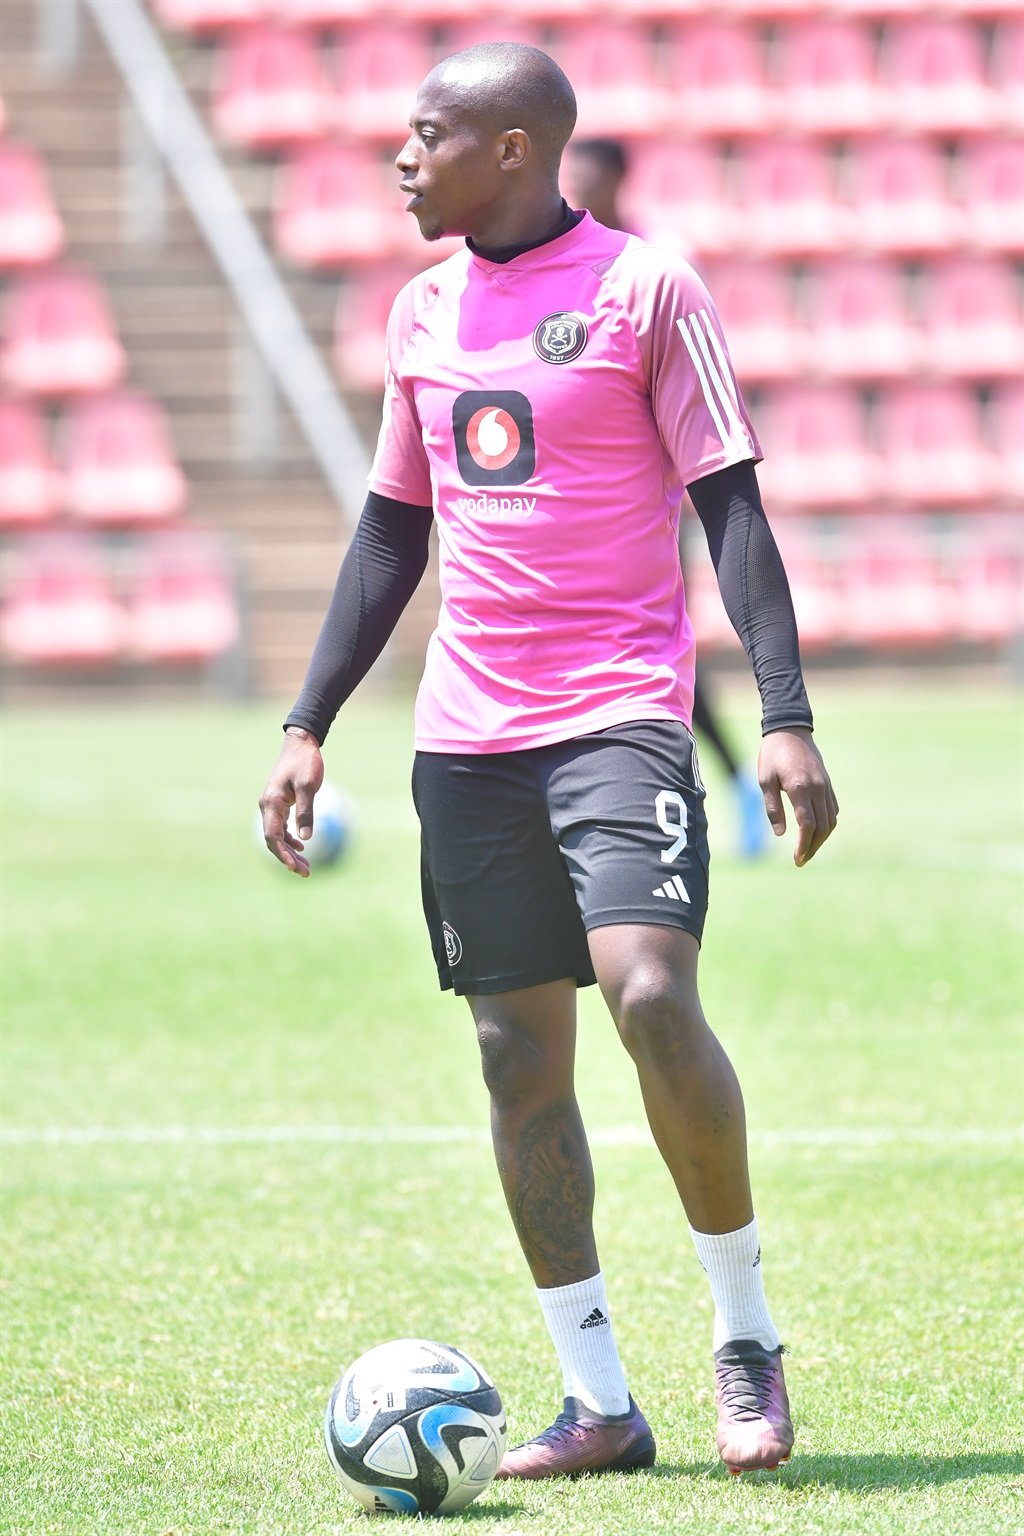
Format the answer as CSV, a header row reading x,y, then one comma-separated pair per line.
x,y
859,321
825,74
331,208
613,69
676,196
990,190
897,190
756,302
788,199
718,71
211,16
933,69
377,69
932,446
891,588
973,320
817,455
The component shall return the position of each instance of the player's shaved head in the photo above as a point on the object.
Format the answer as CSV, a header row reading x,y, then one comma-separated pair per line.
x,y
502,86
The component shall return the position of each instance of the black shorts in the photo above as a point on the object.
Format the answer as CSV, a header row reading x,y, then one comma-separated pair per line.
x,y
524,852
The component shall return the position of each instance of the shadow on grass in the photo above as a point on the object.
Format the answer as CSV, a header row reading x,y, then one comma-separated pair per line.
x,y
863,1472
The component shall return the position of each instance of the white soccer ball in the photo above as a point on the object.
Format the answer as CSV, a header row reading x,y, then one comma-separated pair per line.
x,y
332,826
415,1428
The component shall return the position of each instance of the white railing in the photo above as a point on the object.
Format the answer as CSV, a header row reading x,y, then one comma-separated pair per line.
x,y
273,322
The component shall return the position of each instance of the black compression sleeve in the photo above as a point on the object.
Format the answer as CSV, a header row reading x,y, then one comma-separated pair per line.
x,y
379,574
754,589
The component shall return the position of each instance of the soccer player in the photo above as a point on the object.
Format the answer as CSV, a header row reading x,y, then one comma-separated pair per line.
x,y
597,169
550,389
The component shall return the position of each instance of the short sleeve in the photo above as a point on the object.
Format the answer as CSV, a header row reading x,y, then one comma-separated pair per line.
x,y
400,468
696,400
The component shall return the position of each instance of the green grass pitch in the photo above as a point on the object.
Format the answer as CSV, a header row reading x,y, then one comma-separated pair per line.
x,y
244,1139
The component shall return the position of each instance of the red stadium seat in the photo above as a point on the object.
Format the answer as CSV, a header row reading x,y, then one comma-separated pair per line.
x,y
378,69
270,90
31,231
892,588
60,608
182,607
675,196
991,187
119,463
788,200
988,581
826,77
1005,416
201,16
1006,71
974,325
816,450
59,336
322,13
897,191
859,322
934,72
755,301
718,77
31,488
612,69
511,29
333,204
933,452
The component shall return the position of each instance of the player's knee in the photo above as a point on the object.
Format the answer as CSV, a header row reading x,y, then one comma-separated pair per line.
x,y
514,1067
658,1020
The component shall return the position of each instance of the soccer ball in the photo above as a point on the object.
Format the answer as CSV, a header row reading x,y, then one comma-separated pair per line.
x,y
332,826
415,1428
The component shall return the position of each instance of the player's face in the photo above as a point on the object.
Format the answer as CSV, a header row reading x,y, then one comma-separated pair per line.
x,y
450,166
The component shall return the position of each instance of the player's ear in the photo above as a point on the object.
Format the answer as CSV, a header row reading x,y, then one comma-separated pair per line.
x,y
515,148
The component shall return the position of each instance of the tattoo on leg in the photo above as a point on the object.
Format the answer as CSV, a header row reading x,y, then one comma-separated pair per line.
x,y
554,1194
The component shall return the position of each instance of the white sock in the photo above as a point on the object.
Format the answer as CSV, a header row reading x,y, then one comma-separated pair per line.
x,y
581,1331
732,1262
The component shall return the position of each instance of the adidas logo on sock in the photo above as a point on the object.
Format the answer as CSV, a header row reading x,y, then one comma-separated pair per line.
x,y
596,1319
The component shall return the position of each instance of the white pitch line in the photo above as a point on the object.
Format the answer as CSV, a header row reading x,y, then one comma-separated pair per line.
x,y
453,1135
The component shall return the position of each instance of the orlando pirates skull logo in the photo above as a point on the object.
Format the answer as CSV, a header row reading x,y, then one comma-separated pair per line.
x,y
560,337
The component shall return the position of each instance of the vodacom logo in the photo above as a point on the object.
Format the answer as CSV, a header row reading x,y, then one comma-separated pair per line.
x,y
492,437
493,432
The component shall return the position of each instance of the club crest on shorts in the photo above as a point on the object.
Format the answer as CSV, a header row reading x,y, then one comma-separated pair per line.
x,y
560,337
452,944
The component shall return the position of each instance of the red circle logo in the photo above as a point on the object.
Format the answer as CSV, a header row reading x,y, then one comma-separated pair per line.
x,y
492,437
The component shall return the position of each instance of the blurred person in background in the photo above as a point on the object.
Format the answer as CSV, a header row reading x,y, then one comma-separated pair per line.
x,y
549,394
596,170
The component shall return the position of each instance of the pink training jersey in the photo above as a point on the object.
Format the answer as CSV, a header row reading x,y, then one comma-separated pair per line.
x,y
552,409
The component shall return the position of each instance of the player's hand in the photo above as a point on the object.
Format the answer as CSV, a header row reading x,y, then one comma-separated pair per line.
x,y
298,774
790,764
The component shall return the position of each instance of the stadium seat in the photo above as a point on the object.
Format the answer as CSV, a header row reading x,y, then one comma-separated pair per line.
x,y
988,581
892,590
181,602
932,449
378,69
270,90
59,336
60,608
826,77
202,16
1005,420
718,77
816,450
973,320
118,461
31,231
859,323
897,191
1006,71
755,302
333,204
512,29
612,69
933,70
788,202
323,13
675,196
990,178
31,488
